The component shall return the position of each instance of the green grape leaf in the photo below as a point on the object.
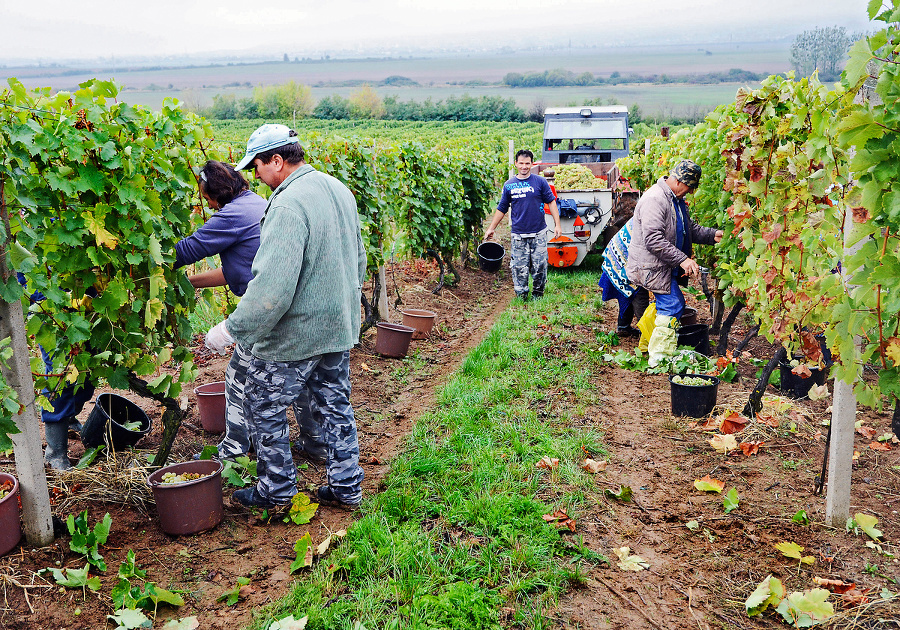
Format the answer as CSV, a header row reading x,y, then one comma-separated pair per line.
x,y
867,523
304,551
130,619
769,592
730,500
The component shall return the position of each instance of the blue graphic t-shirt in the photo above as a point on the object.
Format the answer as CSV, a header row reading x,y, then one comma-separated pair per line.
x,y
526,197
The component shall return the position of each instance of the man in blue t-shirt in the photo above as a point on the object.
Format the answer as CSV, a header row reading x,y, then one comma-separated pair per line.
x,y
526,195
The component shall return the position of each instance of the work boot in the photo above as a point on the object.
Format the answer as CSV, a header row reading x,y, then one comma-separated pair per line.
x,y
57,452
325,495
250,497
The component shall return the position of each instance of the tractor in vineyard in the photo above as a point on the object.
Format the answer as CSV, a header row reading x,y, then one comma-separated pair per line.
x,y
579,150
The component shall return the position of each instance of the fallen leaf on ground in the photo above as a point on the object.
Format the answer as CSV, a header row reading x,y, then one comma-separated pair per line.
x,y
245,590
593,466
818,392
867,523
365,367
750,448
723,443
628,562
835,586
854,597
880,446
734,423
855,455
560,519
548,462
708,484
793,550
709,424
768,420
867,432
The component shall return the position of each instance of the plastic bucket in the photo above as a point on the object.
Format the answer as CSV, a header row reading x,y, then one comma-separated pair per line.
x,y
211,405
106,420
191,506
393,340
695,401
490,256
10,522
689,316
695,336
422,321
797,387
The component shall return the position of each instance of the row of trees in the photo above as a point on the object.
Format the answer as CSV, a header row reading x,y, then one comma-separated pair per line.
x,y
560,77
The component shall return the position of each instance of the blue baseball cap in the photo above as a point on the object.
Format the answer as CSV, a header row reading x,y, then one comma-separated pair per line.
x,y
269,136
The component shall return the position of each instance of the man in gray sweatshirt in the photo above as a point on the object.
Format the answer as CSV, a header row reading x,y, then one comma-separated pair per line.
x,y
299,318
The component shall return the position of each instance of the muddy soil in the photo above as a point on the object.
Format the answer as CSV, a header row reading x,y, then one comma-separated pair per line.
x,y
700,576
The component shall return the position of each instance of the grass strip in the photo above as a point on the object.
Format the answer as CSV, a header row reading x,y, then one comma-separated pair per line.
x,y
456,539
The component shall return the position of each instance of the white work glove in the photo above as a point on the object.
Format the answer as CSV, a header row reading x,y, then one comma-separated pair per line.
x,y
217,339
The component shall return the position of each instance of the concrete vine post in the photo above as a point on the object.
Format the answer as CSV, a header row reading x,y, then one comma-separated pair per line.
x,y
27,443
843,422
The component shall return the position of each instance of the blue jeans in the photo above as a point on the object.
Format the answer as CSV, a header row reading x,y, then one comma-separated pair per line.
x,y
671,304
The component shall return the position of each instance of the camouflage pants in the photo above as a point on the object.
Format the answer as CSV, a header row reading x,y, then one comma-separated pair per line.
x,y
529,256
237,440
272,386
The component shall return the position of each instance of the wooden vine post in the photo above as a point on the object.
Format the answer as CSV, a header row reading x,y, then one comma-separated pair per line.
x,y
27,443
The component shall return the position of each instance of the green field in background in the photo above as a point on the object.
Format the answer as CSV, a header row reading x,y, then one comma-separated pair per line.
x,y
441,77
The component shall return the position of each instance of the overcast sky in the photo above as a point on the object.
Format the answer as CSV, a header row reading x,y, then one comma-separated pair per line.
x,y
62,29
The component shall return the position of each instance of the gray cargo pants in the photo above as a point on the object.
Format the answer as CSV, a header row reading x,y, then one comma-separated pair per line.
x,y
237,440
529,255
271,386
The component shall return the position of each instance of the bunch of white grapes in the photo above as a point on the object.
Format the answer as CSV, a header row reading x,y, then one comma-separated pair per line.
x,y
171,477
576,177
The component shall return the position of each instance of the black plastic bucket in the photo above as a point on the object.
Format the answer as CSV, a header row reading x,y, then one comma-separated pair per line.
x,y
490,256
106,420
797,387
695,336
695,401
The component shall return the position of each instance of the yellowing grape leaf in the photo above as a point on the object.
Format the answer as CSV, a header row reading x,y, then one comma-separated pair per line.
x,y
708,484
594,466
892,350
95,226
723,443
867,523
770,592
793,550
302,509
628,562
